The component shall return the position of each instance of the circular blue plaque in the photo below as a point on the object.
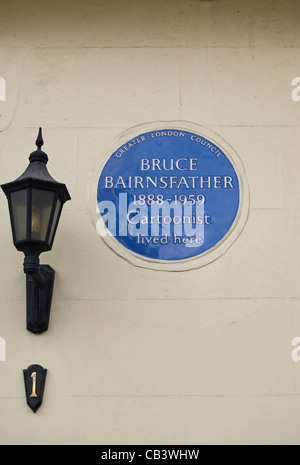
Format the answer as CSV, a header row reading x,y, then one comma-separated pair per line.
x,y
169,195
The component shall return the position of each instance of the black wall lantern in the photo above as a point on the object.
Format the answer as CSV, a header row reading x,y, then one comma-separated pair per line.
x,y
35,203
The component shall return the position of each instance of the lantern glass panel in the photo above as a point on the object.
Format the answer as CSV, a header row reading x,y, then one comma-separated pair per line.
x,y
55,220
42,203
18,201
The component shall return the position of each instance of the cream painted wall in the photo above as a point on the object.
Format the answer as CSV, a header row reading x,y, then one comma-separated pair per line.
x,y
137,356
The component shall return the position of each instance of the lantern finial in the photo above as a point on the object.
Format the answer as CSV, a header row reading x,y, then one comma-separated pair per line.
x,y
39,142
39,155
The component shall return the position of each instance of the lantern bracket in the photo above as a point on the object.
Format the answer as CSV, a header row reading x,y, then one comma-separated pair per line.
x,y
39,290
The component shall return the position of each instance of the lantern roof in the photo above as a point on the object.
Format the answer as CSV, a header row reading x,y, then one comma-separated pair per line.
x,y
37,175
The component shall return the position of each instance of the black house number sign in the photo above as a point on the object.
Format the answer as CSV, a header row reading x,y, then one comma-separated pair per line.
x,y
34,379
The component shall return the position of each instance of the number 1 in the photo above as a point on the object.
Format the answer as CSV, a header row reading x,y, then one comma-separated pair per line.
x,y
33,376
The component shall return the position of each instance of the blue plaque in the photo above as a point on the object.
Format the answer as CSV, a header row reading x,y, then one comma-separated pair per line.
x,y
169,195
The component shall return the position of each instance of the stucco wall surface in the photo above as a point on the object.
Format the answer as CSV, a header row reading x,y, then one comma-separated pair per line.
x,y
137,356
